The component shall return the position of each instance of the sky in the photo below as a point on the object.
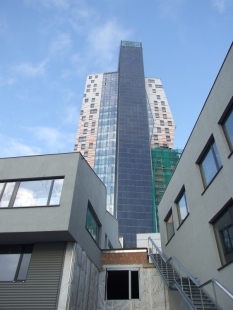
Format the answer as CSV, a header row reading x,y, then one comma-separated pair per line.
x,y
47,47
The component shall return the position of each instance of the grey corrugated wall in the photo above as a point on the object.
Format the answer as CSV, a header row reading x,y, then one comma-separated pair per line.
x,y
40,289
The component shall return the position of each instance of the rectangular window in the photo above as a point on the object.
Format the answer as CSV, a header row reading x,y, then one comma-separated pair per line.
x,y
82,146
153,91
14,262
156,144
209,162
169,225
165,145
151,81
93,111
158,129
34,193
86,100
88,90
169,123
159,86
150,85
158,96
91,117
81,112
90,77
81,139
96,76
83,118
92,223
157,115
93,124
92,99
156,108
84,95
90,145
126,281
84,131
92,105
85,154
86,124
155,137
227,124
155,102
164,115
223,229
97,94
182,206
167,130
95,85
94,90
89,85
163,109
92,130
168,138
162,102
162,123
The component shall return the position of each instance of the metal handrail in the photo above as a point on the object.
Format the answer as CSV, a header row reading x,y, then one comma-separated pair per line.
x,y
198,285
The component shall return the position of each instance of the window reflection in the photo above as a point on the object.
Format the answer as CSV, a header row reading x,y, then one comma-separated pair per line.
x,y
92,225
31,193
14,262
7,195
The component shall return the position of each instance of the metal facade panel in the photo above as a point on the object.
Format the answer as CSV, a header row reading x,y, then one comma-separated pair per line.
x,y
40,290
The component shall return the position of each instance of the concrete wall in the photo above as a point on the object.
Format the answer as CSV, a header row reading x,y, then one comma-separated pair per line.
x,y
194,243
66,222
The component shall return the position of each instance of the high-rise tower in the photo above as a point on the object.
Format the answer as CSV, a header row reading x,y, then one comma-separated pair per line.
x,y
123,115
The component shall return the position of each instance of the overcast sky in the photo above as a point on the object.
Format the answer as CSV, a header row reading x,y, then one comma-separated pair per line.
x,y
47,47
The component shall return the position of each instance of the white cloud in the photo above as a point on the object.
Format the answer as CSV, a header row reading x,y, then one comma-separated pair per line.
x,y
170,8
53,138
71,115
11,147
61,44
104,42
29,70
61,4
221,5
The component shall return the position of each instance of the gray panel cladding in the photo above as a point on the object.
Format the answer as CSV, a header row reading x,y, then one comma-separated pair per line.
x,y
134,206
40,290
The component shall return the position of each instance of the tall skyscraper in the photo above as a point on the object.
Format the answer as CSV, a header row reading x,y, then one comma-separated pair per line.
x,y
123,115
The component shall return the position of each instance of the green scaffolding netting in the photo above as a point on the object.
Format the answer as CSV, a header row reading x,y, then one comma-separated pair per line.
x,y
164,162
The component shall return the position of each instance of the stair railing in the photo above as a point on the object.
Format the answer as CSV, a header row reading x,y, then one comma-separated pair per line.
x,y
173,261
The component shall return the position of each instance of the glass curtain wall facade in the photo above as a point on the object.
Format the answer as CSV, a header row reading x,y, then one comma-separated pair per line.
x,y
106,138
134,173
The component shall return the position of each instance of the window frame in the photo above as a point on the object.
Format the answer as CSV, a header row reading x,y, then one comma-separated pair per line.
x,y
97,222
223,119
181,194
209,149
219,241
16,189
26,249
129,282
166,219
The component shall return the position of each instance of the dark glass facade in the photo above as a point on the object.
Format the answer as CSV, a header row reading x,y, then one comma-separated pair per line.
x,y
134,173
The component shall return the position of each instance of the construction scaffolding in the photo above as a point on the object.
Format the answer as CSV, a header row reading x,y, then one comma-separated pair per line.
x,y
164,162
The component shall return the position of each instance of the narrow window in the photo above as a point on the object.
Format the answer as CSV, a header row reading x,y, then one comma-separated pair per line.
x,y
169,225
92,223
209,162
227,124
182,206
158,129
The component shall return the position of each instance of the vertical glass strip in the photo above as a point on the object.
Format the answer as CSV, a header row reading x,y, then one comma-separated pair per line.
x,y
106,138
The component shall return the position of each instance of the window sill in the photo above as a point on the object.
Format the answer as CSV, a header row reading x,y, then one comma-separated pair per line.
x,y
170,239
223,266
34,207
182,222
211,180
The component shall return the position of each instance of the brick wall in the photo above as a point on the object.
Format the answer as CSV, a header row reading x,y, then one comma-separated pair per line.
x,y
124,258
